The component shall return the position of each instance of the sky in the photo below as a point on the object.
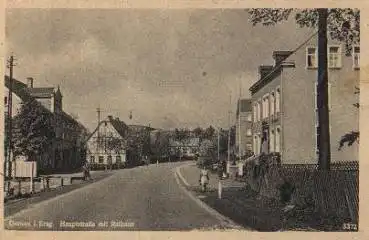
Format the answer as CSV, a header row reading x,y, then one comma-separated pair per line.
x,y
170,67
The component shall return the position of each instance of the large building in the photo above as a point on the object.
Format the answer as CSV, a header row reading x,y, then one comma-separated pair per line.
x,y
66,150
244,127
285,109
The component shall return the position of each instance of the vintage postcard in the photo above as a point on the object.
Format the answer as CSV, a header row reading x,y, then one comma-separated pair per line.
x,y
181,119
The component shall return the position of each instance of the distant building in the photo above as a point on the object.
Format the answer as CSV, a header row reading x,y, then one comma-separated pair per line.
x,y
244,127
285,109
186,148
107,145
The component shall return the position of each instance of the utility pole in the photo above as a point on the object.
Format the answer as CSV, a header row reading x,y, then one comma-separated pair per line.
x,y
98,128
229,131
10,123
323,131
218,144
239,123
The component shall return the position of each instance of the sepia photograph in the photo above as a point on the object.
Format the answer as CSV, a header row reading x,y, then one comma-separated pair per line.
x,y
181,119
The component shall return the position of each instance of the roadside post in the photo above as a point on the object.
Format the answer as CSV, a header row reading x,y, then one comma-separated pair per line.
x,y
32,184
20,187
220,189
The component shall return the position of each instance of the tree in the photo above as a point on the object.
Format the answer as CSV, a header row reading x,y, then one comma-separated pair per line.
x,y
33,130
161,144
207,148
209,133
181,134
342,25
115,144
353,136
198,132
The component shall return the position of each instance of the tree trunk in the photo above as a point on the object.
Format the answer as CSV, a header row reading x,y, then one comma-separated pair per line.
x,y
323,130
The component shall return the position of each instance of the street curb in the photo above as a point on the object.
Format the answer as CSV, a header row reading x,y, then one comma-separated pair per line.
x,y
45,202
223,219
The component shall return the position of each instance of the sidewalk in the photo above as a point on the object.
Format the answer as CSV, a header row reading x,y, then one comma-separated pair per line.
x,y
55,181
240,203
15,205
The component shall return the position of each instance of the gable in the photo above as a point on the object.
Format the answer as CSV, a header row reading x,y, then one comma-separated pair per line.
x,y
105,129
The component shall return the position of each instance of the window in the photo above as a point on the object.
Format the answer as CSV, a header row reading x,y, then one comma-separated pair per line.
x,y
311,57
277,100
249,117
258,111
255,112
259,143
278,139
254,143
334,56
92,159
248,146
271,141
266,106
118,159
272,102
356,57
248,132
101,159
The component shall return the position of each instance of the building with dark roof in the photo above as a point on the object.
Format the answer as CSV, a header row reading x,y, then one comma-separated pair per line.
x,y
66,151
285,108
107,144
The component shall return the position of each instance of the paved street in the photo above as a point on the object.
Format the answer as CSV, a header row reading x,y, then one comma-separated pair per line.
x,y
142,198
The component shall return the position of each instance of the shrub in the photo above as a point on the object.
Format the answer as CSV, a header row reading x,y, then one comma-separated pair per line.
x,y
285,191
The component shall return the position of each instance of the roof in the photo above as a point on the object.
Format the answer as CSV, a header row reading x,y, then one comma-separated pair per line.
x,y
41,92
140,127
117,124
21,90
68,117
244,105
280,57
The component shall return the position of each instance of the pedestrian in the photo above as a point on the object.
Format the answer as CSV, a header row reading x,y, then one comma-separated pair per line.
x,y
204,178
86,171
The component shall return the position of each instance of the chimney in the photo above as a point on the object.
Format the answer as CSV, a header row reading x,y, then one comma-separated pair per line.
x,y
280,56
30,82
264,70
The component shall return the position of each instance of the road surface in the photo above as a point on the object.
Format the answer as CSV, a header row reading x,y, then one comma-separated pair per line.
x,y
142,198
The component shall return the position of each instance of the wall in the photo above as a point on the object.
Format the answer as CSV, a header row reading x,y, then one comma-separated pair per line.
x,y
47,103
298,99
273,122
245,124
16,105
96,150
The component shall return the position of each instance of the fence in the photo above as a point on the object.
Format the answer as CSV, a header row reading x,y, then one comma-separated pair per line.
x,y
331,193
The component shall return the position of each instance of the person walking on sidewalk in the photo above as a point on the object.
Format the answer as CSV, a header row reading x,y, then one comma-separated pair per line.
x,y
86,171
204,179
